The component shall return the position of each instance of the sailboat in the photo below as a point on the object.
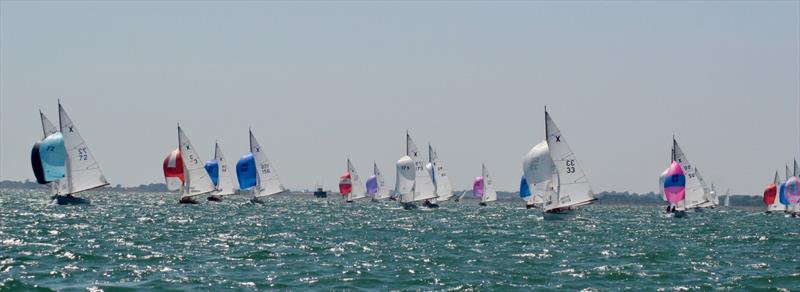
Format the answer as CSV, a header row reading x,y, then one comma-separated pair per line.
x,y
771,198
350,184
570,187
674,186
792,191
255,171
441,182
782,192
709,193
483,187
196,180
376,187
414,182
66,148
537,169
695,192
220,175
728,198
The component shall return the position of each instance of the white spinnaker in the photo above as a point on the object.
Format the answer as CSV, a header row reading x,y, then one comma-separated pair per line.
x,y
359,191
695,193
268,181
404,186
82,170
489,194
48,129
423,184
198,181
383,192
225,180
713,195
444,190
776,205
537,167
573,187
728,198
661,179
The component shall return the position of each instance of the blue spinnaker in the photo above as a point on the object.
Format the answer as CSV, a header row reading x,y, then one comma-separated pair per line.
x,y
53,157
212,167
782,194
524,188
246,171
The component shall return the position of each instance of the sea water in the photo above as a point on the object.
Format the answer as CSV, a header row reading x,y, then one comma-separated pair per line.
x,y
149,242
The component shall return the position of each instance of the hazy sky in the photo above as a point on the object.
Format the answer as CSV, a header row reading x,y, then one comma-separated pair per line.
x,y
321,81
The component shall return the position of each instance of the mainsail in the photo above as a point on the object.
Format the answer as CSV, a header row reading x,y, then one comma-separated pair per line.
x,y
444,190
268,181
382,192
225,180
423,183
572,186
82,170
695,193
358,191
489,194
197,181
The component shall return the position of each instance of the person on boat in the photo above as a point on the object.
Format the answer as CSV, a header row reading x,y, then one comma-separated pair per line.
x,y
669,209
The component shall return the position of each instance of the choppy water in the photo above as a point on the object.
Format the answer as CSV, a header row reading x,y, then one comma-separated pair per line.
x,y
148,241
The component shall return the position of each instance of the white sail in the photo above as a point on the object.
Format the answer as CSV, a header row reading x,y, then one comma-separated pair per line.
x,y
82,170
695,193
198,181
728,198
706,190
573,187
713,195
48,129
383,192
225,184
404,186
489,194
776,205
359,190
796,168
423,183
538,169
268,181
444,190
661,179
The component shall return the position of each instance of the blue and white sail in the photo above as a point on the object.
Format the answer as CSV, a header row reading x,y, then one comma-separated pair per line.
x,y
224,177
537,169
381,191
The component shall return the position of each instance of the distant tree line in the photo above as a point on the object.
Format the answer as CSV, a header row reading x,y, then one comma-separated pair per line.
x,y
605,198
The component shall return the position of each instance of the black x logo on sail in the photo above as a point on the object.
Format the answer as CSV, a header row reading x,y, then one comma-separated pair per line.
x,y
558,138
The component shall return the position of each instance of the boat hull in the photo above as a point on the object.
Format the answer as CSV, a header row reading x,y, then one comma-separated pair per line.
x,y
188,200
214,198
560,215
679,214
256,200
409,206
69,200
430,205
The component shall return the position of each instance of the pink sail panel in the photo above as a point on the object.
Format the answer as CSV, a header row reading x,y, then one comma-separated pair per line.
x,y
675,183
477,187
793,190
345,186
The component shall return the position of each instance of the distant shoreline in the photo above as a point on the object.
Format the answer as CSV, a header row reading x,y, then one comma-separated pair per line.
x,y
605,197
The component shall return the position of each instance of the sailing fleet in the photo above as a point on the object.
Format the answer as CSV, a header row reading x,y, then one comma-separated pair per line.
x,y
552,178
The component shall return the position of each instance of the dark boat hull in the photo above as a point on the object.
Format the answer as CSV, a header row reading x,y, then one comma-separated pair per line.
x,y
214,198
69,200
